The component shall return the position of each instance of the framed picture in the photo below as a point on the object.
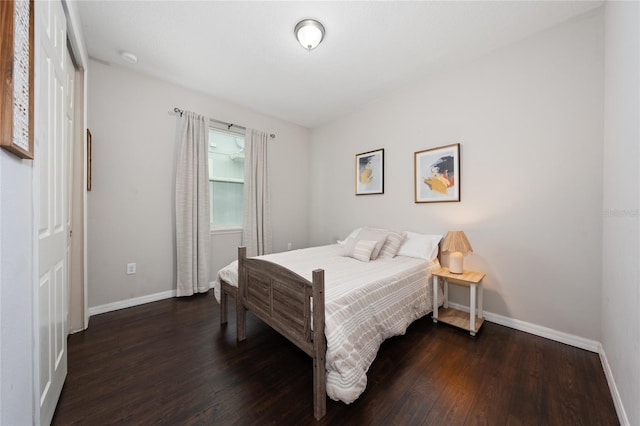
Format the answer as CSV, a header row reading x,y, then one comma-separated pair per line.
x,y
89,159
370,172
17,76
437,174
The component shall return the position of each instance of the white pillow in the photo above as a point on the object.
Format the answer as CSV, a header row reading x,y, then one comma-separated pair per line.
x,y
380,236
393,243
365,234
364,249
353,234
421,246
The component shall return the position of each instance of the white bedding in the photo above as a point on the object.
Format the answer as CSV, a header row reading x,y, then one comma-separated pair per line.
x,y
365,303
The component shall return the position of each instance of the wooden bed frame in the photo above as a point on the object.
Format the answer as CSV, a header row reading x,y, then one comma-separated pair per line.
x,y
284,300
288,303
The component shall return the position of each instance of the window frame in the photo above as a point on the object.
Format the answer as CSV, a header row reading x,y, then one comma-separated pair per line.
x,y
226,229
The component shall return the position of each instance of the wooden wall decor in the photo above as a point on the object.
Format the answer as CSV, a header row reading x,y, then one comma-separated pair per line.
x,y
17,72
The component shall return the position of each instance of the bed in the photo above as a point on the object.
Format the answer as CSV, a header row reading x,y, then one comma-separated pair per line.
x,y
354,301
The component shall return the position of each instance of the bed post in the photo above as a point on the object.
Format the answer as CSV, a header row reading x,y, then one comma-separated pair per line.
x,y
241,312
223,306
319,347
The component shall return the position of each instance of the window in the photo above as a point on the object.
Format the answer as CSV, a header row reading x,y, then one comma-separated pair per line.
x,y
226,179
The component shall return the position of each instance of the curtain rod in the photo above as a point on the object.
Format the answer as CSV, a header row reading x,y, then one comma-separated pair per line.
x,y
224,123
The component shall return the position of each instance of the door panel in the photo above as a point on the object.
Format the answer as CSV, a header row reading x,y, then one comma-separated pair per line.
x,y
45,335
52,151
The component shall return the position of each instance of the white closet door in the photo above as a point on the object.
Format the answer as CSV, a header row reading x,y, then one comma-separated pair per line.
x,y
51,163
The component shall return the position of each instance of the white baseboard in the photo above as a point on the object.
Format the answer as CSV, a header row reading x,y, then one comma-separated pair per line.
x,y
566,338
617,400
114,306
538,330
122,304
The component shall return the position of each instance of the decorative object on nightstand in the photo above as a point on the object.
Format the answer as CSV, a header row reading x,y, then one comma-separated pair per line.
x,y
457,245
471,321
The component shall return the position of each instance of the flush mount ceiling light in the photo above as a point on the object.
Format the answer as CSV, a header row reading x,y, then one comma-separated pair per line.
x,y
309,33
129,57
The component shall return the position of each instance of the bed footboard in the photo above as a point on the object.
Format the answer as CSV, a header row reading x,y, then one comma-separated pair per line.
x,y
288,303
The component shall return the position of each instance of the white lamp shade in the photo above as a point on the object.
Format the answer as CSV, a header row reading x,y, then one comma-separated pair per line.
x,y
309,33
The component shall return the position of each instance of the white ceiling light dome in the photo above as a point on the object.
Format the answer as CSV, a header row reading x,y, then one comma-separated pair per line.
x,y
309,33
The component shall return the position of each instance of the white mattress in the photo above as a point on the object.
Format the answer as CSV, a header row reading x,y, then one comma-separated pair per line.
x,y
365,303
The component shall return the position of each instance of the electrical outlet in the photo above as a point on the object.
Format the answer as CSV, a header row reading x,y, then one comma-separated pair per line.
x,y
131,268
289,246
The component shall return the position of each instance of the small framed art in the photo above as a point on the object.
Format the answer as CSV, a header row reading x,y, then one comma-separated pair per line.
x,y
89,159
370,172
437,174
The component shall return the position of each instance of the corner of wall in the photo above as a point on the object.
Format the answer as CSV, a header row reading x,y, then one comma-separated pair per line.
x,y
615,394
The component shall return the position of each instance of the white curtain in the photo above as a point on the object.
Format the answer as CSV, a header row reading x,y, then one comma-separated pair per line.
x,y
192,205
256,230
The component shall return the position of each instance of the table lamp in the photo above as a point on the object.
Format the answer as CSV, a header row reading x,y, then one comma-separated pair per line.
x,y
456,243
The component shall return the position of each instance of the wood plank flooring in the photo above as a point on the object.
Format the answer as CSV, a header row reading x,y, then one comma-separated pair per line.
x,y
170,362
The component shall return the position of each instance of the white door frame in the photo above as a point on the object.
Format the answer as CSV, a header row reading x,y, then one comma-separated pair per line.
x,y
81,59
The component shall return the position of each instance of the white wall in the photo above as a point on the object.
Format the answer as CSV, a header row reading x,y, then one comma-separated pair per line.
x,y
529,121
621,203
17,355
130,208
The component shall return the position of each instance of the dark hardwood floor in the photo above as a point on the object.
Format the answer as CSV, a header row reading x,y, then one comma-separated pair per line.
x,y
170,362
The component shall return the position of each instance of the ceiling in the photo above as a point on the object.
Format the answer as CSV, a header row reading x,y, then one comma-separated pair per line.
x,y
246,52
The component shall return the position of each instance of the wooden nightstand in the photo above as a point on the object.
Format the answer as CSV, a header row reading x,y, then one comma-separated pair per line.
x,y
471,321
